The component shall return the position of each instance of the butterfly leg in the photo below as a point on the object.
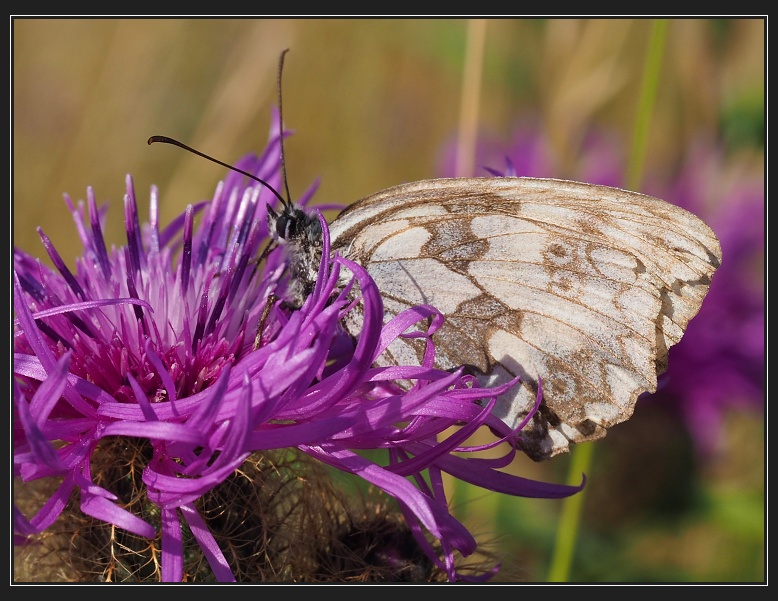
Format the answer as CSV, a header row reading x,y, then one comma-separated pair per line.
x,y
271,300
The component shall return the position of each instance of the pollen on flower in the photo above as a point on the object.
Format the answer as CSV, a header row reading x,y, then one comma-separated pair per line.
x,y
155,440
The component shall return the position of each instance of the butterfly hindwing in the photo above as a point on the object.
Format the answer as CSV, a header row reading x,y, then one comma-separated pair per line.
x,y
584,286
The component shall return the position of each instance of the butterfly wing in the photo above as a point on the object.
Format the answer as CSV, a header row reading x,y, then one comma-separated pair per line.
x,y
584,286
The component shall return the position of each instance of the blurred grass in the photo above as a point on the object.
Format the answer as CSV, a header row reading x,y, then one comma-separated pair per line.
x,y
372,102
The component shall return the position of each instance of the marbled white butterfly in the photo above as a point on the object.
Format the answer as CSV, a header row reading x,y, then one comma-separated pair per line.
x,y
585,286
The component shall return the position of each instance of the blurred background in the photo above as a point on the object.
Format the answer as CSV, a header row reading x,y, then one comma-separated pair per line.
x,y
676,494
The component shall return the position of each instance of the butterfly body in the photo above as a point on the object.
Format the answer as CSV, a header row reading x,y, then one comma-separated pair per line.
x,y
584,286
300,232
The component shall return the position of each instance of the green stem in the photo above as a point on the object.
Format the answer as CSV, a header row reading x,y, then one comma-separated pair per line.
x,y
648,90
569,519
581,460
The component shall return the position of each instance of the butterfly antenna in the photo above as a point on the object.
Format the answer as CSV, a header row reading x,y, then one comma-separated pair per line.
x,y
174,142
281,126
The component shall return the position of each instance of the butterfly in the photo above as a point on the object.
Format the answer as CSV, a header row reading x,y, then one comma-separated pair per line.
x,y
584,286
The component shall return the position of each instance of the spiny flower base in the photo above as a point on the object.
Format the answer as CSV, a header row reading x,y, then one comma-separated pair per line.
x,y
279,518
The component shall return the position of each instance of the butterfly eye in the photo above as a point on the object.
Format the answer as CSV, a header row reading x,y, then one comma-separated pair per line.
x,y
281,226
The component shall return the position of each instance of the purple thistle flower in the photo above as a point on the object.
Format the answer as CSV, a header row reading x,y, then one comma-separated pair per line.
x,y
720,364
155,341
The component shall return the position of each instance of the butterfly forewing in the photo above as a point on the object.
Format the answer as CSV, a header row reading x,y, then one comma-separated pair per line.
x,y
584,286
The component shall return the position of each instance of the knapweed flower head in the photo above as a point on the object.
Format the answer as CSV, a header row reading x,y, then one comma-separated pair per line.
x,y
170,355
720,364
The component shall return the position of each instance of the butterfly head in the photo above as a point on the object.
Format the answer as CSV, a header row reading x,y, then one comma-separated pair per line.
x,y
300,233
293,224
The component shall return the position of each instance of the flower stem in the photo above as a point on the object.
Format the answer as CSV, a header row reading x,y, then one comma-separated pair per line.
x,y
569,520
648,90
581,455
471,96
